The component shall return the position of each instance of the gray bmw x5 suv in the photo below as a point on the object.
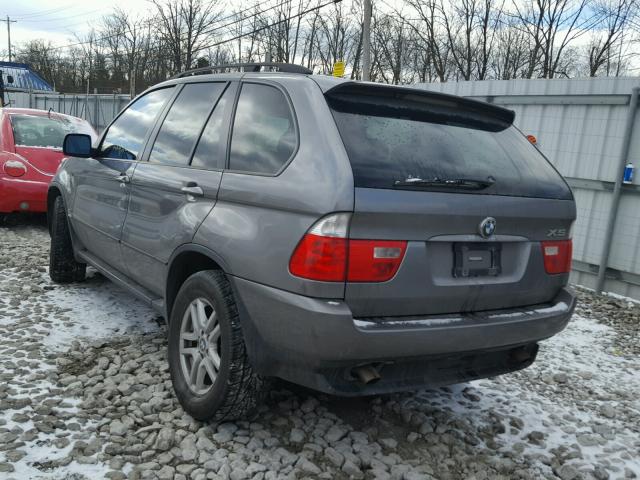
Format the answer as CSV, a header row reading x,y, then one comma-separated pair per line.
x,y
351,237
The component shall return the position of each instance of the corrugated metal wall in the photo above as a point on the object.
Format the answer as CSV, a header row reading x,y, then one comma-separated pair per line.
x,y
97,109
579,124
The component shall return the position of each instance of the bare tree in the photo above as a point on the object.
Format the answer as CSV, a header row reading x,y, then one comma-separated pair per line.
x,y
128,40
390,47
183,26
552,25
615,16
511,52
336,39
428,28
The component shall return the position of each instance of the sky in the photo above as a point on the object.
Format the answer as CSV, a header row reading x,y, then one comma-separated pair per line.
x,y
58,21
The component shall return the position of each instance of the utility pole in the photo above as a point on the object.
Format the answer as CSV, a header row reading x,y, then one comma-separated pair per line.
x,y
366,41
8,21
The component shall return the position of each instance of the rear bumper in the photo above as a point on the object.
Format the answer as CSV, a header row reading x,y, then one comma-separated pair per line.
x,y
19,195
317,342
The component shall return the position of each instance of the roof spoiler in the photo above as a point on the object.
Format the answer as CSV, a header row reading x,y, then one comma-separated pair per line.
x,y
418,104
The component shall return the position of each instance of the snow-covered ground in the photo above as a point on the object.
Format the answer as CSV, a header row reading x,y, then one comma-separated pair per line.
x,y
85,393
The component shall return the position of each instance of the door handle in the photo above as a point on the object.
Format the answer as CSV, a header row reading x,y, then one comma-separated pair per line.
x,y
123,178
193,189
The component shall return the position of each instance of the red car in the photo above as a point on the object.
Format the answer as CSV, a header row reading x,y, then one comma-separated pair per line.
x,y
30,153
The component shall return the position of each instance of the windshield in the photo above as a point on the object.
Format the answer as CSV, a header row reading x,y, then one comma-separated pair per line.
x,y
44,131
391,143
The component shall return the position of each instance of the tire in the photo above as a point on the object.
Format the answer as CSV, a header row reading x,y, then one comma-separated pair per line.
x,y
63,267
7,219
233,390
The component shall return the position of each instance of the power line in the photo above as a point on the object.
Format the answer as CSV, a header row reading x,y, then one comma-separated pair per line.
x,y
183,37
241,19
252,32
231,15
255,14
300,14
43,12
64,18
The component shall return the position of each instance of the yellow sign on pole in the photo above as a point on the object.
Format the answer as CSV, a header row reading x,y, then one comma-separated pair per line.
x,y
338,69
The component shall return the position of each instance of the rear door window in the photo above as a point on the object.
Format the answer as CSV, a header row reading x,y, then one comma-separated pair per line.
x,y
393,139
184,122
264,135
211,151
126,136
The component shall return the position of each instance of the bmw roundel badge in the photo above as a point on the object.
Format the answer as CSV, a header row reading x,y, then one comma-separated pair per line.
x,y
487,227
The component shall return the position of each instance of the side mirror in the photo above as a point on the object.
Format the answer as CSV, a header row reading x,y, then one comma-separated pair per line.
x,y
77,145
9,78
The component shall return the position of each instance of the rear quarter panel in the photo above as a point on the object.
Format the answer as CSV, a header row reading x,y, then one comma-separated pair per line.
x,y
259,220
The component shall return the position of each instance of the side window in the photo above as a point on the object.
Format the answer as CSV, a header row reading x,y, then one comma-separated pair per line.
x,y
125,137
212,146
264,135
183,123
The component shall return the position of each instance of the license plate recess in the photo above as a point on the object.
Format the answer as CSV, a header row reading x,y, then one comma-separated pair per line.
x,y
476,259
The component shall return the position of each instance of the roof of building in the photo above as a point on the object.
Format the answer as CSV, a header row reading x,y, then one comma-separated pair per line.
x,y
24,79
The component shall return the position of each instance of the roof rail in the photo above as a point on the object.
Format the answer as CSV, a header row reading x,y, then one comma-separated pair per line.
x,y
247,67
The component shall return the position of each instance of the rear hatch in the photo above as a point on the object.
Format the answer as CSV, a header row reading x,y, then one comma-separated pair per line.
x,y
471,196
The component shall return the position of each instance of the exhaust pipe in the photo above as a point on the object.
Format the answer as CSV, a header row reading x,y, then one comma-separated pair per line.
x,y
366,374
524,354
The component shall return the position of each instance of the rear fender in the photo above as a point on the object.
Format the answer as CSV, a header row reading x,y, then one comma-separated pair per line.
x,y
208,259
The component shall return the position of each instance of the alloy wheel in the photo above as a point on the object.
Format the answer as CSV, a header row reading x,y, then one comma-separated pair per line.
x,y
200,346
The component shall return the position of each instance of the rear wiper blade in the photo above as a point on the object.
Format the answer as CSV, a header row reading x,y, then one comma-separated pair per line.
x,y
461,183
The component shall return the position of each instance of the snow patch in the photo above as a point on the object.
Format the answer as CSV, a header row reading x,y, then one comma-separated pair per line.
x,y
97,308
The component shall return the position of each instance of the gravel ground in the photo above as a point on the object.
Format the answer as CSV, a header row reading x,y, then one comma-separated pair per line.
x,y
85,393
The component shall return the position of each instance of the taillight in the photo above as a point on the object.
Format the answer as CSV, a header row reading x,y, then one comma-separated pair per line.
x,y
557,256
374,260
322,253
326,254
320,258
15,168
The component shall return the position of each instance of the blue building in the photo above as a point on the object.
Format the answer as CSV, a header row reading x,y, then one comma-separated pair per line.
x,y
24,79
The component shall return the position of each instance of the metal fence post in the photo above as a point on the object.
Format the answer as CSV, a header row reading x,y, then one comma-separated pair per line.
x,y
96,107
617,189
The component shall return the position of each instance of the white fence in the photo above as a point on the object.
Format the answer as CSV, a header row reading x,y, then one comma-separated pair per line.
x,y
97,109
580,125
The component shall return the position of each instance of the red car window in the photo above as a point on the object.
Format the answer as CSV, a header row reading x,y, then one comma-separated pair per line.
x,y
45,132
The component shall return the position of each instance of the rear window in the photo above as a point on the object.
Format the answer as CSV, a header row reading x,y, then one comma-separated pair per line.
x,y
396,138
44,131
